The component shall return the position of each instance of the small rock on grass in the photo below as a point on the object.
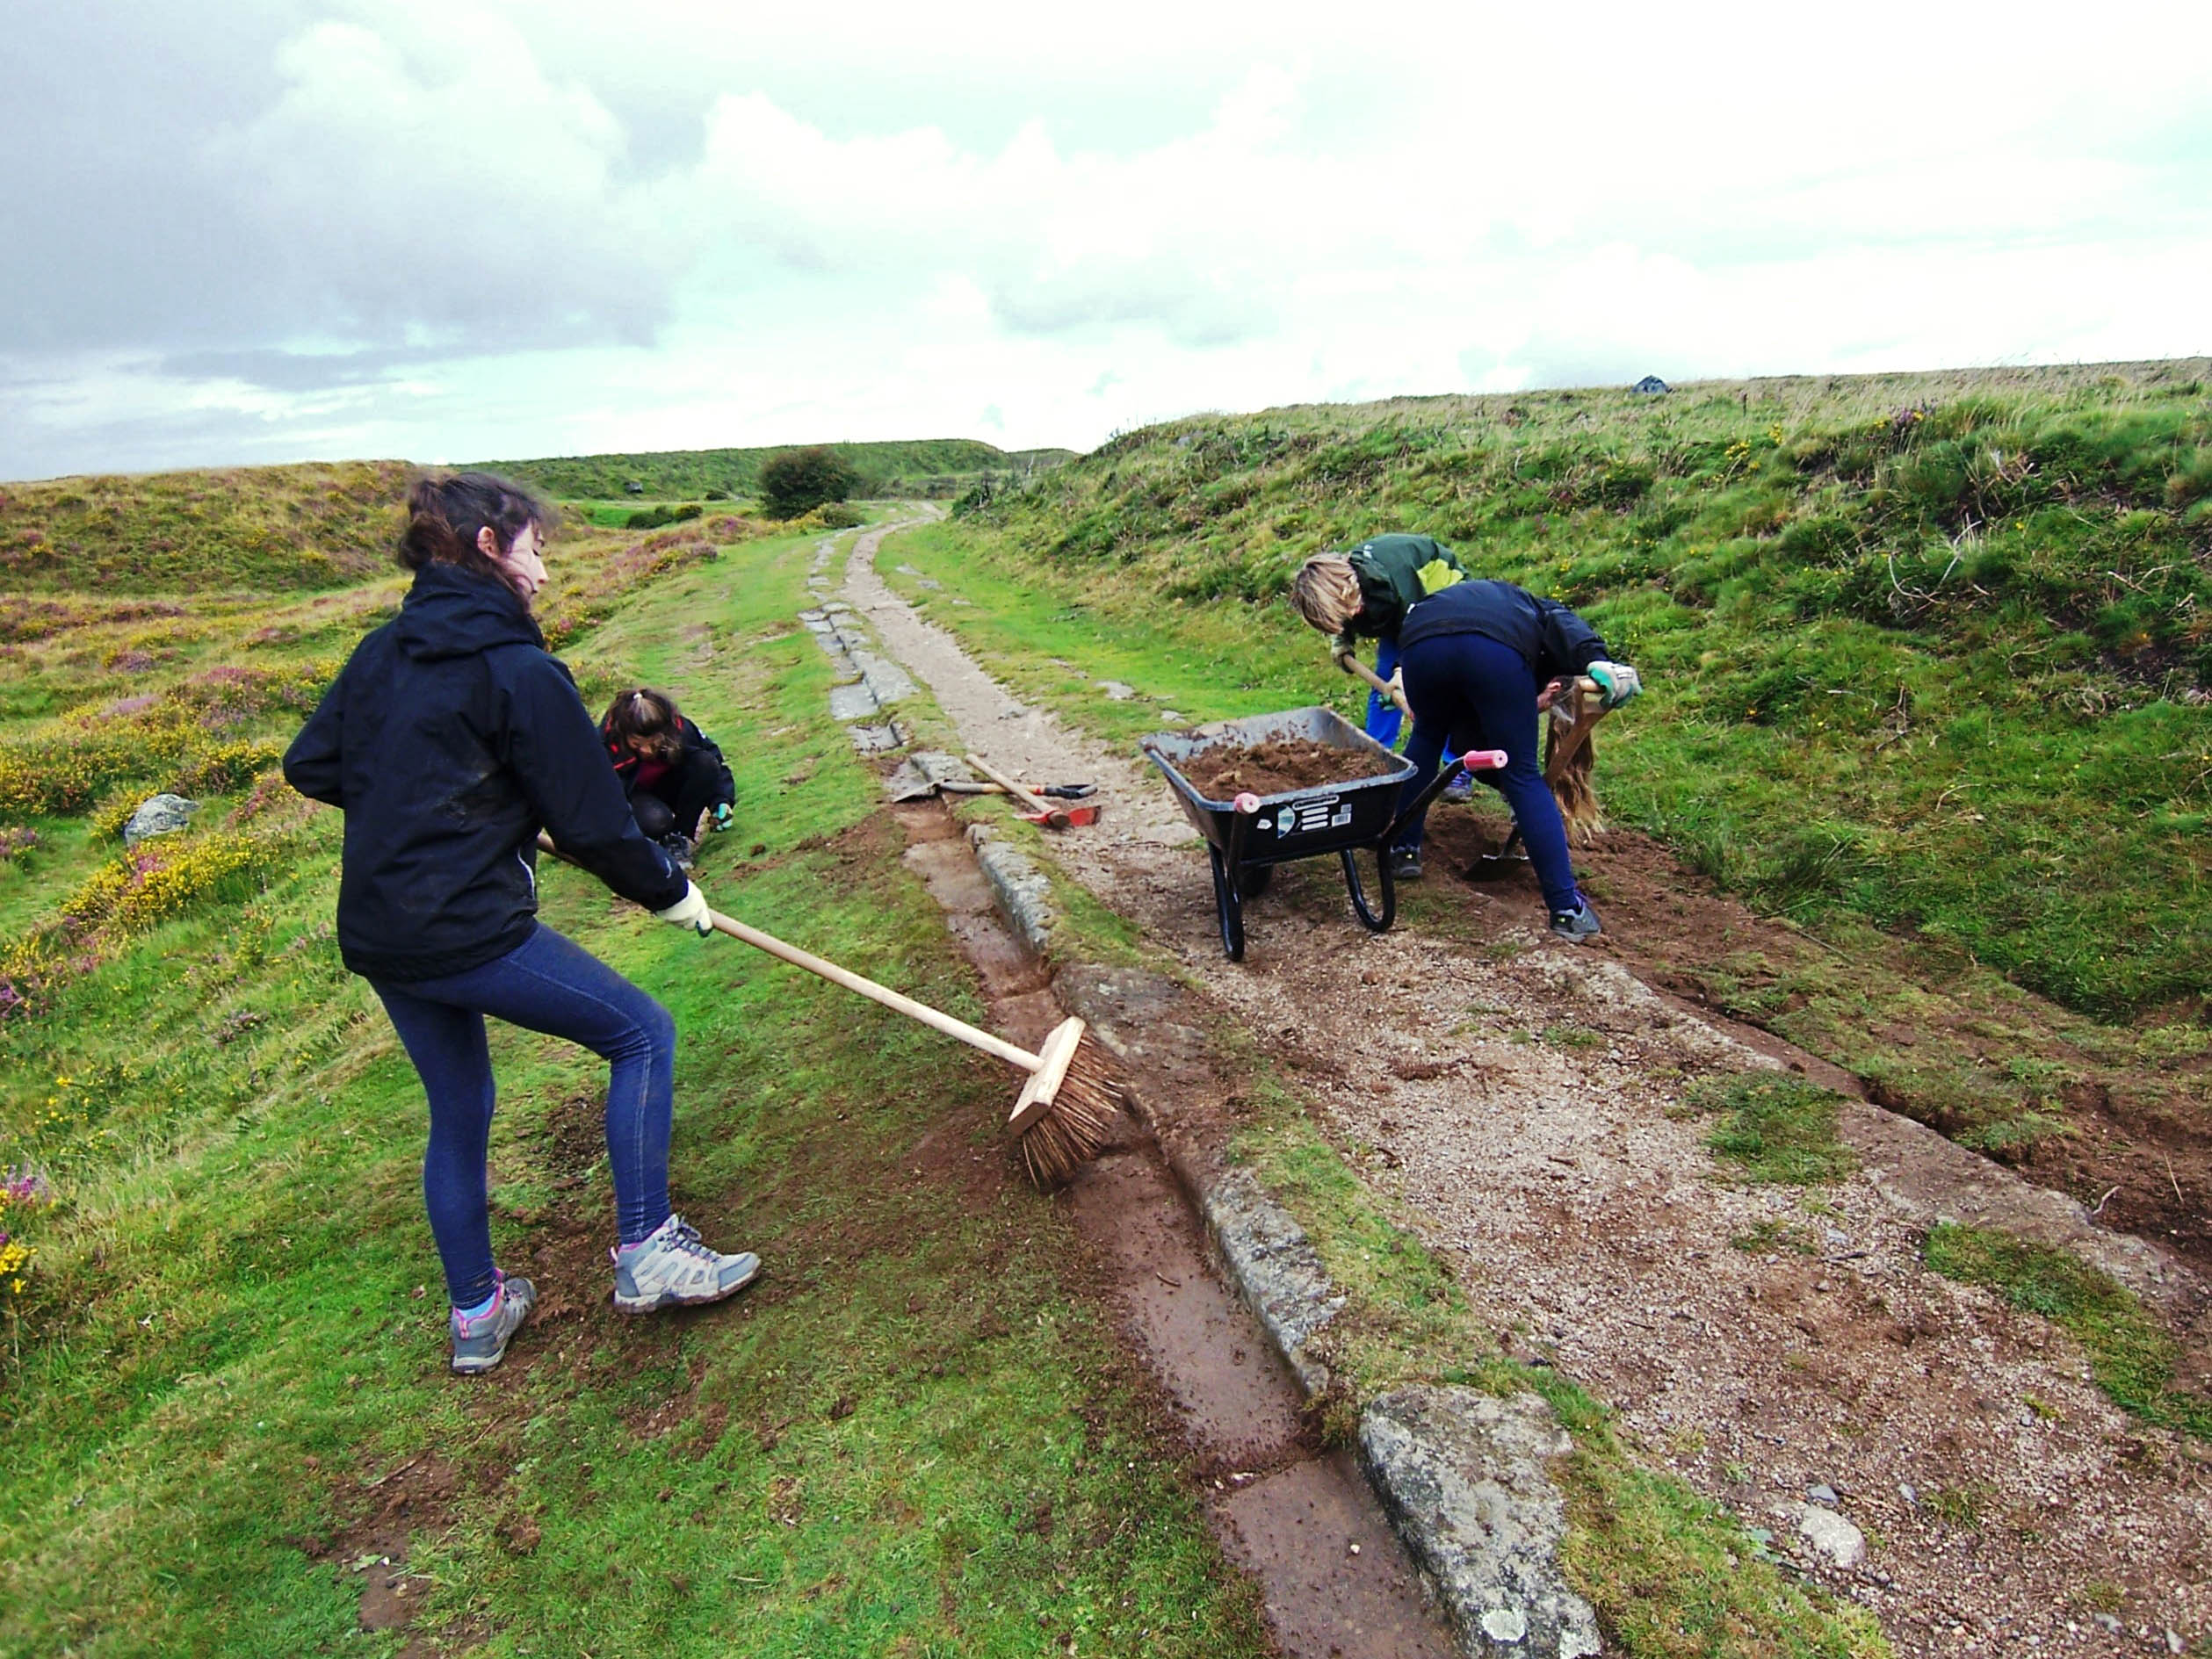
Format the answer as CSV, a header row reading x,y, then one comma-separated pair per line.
x,y
162,814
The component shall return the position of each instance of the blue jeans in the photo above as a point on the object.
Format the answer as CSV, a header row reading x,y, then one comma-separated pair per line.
x,y
545,984
1383,713
1472,690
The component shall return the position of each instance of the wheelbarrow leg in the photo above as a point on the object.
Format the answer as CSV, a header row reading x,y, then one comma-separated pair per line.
x,y
1369,919
1228,905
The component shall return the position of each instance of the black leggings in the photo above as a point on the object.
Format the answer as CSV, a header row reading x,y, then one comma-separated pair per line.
x,y
675,799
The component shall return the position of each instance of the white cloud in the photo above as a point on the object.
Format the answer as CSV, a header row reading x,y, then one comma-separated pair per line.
x,y
494,227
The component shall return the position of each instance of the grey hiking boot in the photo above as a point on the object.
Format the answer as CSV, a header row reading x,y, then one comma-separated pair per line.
x,y
1460,789
672,1267
1577,924
481,1343
1405,864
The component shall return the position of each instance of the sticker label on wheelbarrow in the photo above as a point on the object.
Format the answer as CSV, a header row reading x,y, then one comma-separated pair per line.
x,y
1323,812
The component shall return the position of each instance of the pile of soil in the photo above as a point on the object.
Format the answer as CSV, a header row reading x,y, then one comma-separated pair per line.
x,y
1277,767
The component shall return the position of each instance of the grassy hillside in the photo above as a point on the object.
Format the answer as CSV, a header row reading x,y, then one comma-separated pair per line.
x,y
923,467
313,526
1934,651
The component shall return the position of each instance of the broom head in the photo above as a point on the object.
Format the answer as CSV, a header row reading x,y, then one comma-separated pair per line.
x,y
1067,1110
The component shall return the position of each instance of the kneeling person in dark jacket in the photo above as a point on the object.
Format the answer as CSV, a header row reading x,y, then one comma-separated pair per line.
x,y
1481,659
671,770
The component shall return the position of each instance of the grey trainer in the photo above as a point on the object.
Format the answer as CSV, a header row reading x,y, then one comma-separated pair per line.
x,y
481,1343
1577,924
672,1267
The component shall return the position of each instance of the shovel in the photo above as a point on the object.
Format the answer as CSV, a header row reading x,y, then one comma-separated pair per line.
x,y
1033,807
1570,728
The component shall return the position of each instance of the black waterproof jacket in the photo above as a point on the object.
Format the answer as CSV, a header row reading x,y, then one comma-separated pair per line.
x,y
1551,638
448,740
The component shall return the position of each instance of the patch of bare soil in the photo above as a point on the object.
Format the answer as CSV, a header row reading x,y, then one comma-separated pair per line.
x,y
2137,1145
1276,768
1524,1101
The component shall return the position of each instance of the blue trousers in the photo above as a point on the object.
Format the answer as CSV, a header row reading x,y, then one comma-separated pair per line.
x,y
1382,715
545,984
1474,693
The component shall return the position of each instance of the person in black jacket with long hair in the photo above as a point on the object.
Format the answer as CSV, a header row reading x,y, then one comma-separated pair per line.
x,y
448,740
1481,660
672,771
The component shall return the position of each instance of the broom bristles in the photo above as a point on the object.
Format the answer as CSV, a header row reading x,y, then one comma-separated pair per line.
x,y
1080,1121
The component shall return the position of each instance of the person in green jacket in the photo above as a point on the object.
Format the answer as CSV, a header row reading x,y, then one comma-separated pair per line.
x,y
1365,595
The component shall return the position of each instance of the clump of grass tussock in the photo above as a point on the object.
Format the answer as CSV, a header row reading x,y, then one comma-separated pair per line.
x,y
2131,1353
1774,1127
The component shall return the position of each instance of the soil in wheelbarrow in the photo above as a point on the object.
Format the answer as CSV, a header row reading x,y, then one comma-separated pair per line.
x,y
1279,766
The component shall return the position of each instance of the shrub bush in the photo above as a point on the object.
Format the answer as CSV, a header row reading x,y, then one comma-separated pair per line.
x,y
796,481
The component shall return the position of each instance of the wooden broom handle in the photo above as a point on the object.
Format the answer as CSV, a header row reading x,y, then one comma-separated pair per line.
x,y
1351,664
936,1020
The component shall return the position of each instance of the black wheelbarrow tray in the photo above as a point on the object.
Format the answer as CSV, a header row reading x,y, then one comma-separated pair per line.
x,y
1248,836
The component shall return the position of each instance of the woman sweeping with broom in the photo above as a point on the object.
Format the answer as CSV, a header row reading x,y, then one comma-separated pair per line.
x,y
449,739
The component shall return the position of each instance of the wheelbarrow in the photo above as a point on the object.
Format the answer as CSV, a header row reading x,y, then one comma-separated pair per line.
x,y
1247,837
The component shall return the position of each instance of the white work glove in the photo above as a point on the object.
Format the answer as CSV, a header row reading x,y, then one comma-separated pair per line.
x,y
689,911
1617,681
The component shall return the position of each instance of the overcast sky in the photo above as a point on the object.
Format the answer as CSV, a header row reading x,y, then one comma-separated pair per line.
x,y
284,229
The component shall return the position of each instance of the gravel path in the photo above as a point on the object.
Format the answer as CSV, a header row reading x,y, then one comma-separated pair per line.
x,y
1909,1441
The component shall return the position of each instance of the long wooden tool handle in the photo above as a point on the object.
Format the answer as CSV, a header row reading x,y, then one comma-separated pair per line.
x,y
1575,735
936,1020
1353,665
933,1018
1035,802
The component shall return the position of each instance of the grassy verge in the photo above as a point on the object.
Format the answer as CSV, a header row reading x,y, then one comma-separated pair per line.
x,y
2130,1355
225,1382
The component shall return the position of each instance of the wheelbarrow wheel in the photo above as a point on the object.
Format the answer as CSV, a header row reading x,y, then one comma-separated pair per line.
x,y
1372,921
1253,879
1230,904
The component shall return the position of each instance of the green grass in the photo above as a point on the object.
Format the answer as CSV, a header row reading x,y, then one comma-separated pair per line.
x,y
1774,1129
912,1437
2131,1353
1943,673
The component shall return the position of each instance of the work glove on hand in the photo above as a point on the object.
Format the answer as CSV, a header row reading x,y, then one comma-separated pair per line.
x,y
1617,681
691,910
723,816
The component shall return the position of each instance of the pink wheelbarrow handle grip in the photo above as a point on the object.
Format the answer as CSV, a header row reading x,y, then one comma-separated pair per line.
x,y
1484,760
